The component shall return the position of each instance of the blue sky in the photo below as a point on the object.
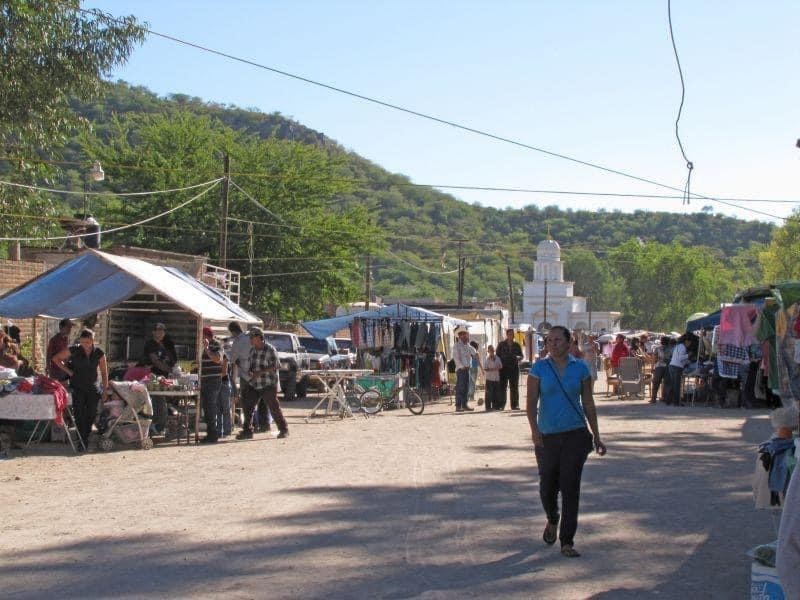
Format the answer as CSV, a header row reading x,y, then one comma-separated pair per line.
x,y
596,81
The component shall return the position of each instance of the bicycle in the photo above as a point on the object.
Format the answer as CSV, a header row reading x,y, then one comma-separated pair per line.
x,y
373,400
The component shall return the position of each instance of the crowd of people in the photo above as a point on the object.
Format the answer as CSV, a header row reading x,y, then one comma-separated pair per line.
x,y
500,366
244,358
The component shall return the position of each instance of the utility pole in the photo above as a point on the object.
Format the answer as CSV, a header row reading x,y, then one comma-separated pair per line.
x,y
589,302
510,294
367,278
462,263
545,323
223,212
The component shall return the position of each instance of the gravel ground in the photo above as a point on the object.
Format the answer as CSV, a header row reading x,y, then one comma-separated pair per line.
x,y
441,505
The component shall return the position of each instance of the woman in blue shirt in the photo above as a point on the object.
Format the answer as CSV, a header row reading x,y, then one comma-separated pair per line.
x,y
560,404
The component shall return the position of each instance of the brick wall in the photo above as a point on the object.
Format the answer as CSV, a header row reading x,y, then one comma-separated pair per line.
x,y
12,274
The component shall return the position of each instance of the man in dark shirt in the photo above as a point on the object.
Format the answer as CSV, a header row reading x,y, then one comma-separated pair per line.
x,y
213,370
57,343
264,366
159,351
160,356
509,352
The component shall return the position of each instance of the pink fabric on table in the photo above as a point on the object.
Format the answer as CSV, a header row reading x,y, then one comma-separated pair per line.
x,y
137,374
736,325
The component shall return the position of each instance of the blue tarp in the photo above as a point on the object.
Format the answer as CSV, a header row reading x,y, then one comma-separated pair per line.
x,y
94,281
79,287
707,322
394,312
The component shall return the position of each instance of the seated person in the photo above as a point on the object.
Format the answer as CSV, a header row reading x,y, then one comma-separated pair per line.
x,y
9,354
160,356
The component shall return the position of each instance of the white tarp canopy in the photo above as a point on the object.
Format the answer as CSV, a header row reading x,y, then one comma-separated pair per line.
x,y
94,281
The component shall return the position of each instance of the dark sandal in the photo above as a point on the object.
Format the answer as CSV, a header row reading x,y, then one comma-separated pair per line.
x,y
570,552
550,533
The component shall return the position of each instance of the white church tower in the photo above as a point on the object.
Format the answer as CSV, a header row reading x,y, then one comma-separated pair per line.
x,y
548,300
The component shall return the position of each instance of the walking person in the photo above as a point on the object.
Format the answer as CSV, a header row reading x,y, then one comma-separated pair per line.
x,y
560,405
264,366
491,369
462,355
82,362
510,353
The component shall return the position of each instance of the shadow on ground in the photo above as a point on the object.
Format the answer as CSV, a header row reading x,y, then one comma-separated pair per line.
x,y
467,535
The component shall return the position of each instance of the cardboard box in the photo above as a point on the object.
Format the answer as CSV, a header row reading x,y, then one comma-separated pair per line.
x,y
764,583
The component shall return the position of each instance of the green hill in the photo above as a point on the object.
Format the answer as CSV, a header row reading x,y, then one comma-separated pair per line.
x,y
416,246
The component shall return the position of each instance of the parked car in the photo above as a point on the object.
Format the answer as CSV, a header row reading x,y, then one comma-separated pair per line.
x,y
294,360
324,354
346,347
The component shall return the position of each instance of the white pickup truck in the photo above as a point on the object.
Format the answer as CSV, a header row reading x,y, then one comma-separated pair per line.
x,y
294,361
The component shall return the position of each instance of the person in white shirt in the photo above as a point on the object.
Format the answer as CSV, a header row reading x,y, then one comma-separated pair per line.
x,y
462,355
680,358
491,369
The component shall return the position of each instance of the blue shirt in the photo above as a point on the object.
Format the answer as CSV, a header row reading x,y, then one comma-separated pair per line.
x,y
555,413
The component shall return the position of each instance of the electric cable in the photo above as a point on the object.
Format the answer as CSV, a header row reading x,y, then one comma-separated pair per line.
x,y
107,231
91,193
367,184
254,201
99,14
689,164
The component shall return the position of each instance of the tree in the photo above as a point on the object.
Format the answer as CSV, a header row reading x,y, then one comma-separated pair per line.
x,y
666,283
593,279
297,250
780,259
50,50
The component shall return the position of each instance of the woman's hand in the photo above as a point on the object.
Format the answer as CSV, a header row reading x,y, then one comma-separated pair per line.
x,y
536,436
600,448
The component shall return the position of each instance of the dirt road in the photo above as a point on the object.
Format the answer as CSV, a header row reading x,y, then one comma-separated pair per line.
x,y
442,505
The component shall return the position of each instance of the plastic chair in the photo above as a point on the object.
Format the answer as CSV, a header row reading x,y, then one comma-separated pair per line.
x,y
630,374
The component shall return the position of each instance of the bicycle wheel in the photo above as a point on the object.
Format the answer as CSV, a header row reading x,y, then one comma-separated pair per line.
x,y
414,402
371,401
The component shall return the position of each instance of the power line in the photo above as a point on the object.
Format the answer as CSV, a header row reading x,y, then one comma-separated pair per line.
x,y
364,183
689,164
125,194
81,235
99,14
405,262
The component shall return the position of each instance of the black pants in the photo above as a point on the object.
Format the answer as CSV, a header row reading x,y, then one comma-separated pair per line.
x,y
84,407
493,396
658,377
675,375
509,379
560,460
270,396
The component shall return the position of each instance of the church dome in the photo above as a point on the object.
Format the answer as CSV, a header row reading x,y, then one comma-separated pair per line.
x,y
548,249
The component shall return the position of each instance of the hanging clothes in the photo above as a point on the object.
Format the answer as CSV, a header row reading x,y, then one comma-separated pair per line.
x,y
736,324
729,360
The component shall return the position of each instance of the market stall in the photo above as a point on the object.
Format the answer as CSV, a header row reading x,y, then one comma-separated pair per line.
x,y
124,297
397,339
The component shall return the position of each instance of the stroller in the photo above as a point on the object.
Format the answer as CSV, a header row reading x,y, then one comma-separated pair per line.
x,y
127,416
